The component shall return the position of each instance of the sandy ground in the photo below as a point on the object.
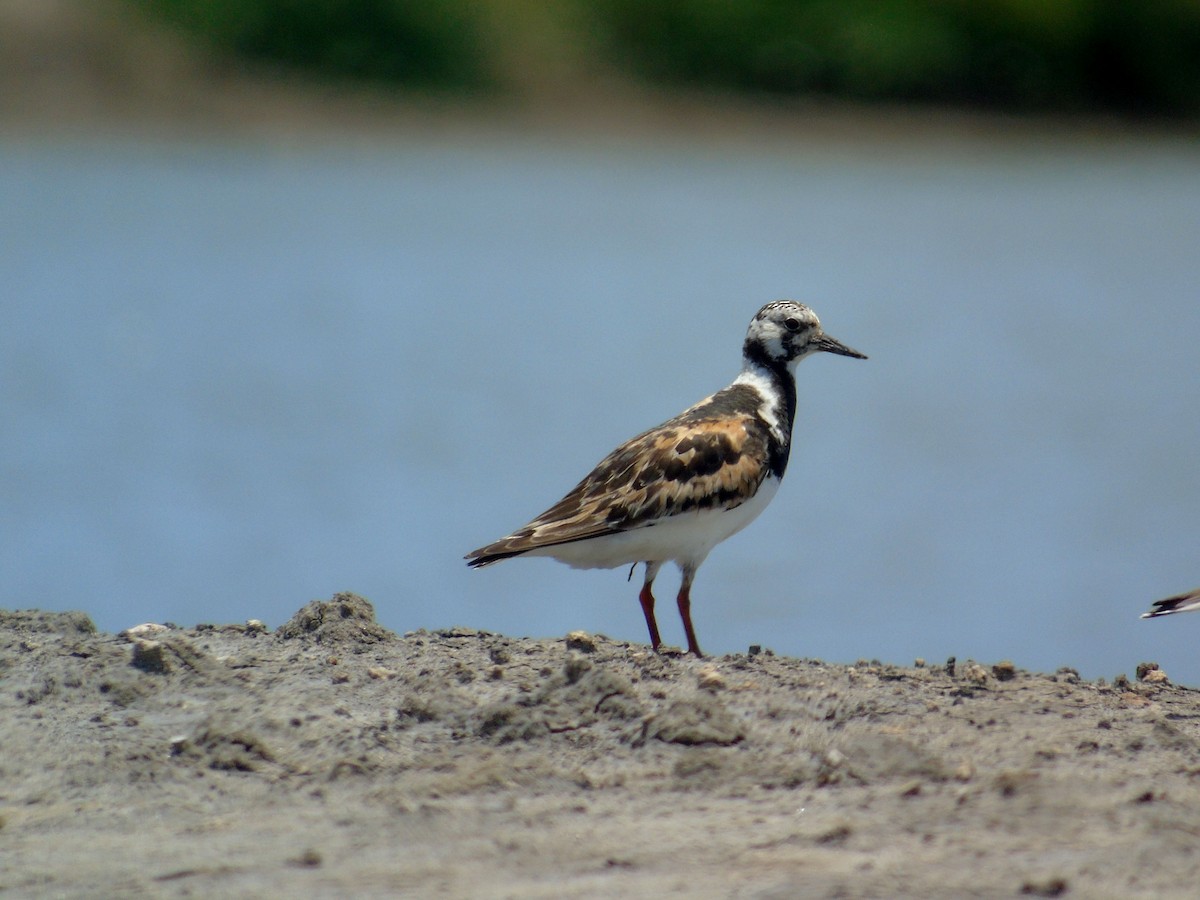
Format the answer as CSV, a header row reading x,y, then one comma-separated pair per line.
x,y
335,758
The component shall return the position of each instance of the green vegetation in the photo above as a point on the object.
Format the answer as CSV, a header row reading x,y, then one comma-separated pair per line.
x,y
1138,57
430,43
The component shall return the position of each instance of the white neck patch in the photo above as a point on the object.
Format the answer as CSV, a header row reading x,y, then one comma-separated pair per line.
x,y
771,408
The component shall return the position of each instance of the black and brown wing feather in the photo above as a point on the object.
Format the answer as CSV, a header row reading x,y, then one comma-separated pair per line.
x,y
713,455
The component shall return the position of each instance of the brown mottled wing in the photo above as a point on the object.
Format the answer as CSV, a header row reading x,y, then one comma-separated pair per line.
x,y
702,459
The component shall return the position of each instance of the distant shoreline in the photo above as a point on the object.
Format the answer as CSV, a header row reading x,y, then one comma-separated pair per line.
x,y
69,68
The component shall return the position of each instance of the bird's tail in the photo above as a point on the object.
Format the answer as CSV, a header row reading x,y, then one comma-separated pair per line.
x,y
1185,602
492,553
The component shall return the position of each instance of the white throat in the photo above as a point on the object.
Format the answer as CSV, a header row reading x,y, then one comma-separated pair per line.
x,y
772,407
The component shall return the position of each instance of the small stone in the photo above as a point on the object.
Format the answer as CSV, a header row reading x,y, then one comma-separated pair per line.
x,y
1050,887
309,859
965,771
255,626
581,641
1067,674
976,673
950,664
341,677
1156,676
381,673
838,834
1145,668
754,650
919,662
711,680
458,631
149,656
912,789
1004,670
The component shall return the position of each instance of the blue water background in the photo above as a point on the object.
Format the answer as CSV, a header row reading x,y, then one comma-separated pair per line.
x,y
238,374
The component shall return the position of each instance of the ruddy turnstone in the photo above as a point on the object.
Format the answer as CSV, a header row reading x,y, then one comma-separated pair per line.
x,y
1179,603
676,491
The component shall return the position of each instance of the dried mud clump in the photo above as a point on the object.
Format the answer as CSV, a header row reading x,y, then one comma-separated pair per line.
x,y
346,618
579,696
224,745
696,720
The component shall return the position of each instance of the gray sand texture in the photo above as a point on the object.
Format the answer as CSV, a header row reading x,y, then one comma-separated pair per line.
x,y
334,758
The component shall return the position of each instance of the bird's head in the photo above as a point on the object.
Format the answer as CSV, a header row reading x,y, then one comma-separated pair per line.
x,y
786,332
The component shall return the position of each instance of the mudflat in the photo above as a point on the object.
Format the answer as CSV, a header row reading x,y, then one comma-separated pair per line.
x,y
333,757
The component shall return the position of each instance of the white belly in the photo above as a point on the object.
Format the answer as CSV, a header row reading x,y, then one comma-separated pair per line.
x,y
686,538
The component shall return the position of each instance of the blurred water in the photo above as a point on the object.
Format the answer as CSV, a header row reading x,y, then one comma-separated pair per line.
x,y
237,376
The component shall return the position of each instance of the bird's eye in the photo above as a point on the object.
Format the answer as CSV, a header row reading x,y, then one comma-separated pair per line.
x,y
792,324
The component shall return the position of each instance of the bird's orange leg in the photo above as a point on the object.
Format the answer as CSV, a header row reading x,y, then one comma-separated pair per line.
x,y
646,597
684,600
647,600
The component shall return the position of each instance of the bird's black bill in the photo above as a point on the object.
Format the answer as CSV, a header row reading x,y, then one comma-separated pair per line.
x,y
830,345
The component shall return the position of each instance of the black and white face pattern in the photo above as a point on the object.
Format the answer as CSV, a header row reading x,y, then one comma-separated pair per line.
x,y
784,332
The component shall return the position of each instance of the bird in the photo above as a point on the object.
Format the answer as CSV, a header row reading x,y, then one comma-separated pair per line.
x,y
1185,602
676,491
